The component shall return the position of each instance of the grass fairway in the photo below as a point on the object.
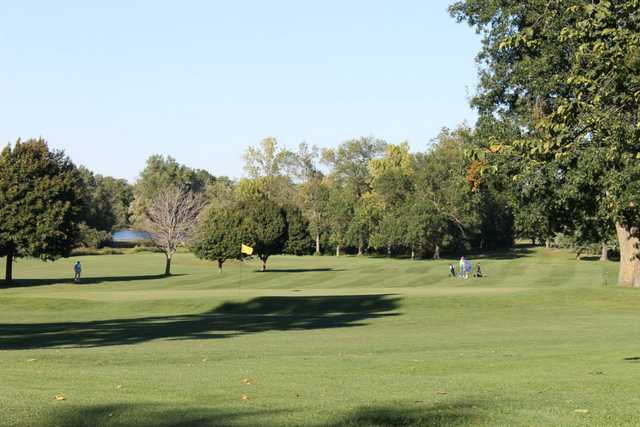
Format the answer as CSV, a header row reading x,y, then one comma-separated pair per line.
x,y
319,341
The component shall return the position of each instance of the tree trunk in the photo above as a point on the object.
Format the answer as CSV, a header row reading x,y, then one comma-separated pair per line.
x,y
220,261
360,244
413,253
317,243
337,250
167,266
388,250
629,274
436,252
8,275
604,256
264,263
547,243
533,241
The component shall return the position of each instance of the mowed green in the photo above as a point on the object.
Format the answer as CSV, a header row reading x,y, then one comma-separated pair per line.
x,y
321,341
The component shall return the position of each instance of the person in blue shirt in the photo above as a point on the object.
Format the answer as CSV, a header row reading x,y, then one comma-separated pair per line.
x,y
77,269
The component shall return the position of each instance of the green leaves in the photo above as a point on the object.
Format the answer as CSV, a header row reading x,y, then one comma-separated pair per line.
x,y
574,101
40,201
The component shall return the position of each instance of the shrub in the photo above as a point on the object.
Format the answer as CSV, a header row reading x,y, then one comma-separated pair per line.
x,y
93,251
90,237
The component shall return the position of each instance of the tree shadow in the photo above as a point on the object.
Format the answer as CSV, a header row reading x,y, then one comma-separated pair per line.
x,y
518,251
441,414
26,283
148,415
157,415
296,270
262,314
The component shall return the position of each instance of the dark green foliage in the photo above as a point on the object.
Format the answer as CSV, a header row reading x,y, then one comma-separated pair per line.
x,y
350,170
162,172
299,241
340,216
219,235
450,207
264,227
40,202
90,237
566,75
106,201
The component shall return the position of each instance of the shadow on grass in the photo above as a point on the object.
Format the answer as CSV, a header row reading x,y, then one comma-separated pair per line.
x,y
518,251
148,415
296,270
25,283
589,258
443,414
230,319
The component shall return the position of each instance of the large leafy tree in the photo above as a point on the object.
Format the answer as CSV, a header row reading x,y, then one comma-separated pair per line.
x,y
312,191
392,184
350,170
299,242
106,202
219,235
340,206
40,202
163,172
442,189
264,227
567,73
269,164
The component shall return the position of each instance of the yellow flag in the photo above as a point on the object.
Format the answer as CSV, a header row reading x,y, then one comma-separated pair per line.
x,y
246,250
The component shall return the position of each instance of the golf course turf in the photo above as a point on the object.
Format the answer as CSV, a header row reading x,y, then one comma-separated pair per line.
x,y
543,339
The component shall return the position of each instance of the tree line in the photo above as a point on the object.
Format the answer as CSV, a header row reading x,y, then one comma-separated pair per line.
x,y
363,196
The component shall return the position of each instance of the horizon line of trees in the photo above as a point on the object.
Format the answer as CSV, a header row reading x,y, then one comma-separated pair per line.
x,y
364,196
554,156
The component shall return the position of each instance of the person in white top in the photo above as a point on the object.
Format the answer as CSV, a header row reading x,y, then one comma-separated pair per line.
x,y
463,268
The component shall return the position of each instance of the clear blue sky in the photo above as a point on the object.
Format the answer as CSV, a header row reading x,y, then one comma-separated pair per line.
x,y
113,82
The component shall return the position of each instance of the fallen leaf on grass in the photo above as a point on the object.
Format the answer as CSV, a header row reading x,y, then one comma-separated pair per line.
x,y
247,381
31,360
244,397
442,392
582,411
119,386
59,397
